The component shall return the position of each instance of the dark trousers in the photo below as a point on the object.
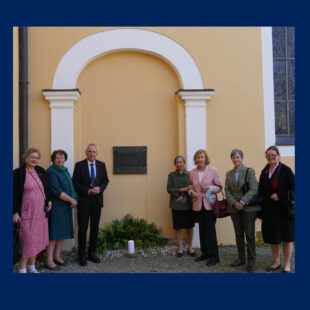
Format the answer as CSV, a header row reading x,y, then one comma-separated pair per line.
x,y
91,212
207,234
244,224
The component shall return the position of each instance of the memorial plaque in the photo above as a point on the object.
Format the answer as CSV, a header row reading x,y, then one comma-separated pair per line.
x,y
129,160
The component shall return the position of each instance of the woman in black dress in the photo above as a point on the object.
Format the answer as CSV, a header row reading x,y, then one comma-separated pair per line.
x,y
275,183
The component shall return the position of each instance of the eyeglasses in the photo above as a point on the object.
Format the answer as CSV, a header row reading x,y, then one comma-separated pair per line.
x,y
34,157
271,155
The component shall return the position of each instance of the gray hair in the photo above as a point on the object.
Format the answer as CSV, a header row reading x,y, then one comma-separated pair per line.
x,y
30,151
91,144
179,156
235,151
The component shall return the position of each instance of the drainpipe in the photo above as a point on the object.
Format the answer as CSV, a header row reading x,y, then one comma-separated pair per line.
x,y
23,90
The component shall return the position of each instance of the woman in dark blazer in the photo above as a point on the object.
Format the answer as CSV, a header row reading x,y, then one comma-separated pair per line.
x,y
275,183
242,215
30,202
181,205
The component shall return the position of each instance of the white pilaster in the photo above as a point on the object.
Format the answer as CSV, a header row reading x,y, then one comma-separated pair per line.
x,y
62,105
196,135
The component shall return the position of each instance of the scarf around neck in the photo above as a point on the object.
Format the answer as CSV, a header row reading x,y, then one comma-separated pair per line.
x,y
65,171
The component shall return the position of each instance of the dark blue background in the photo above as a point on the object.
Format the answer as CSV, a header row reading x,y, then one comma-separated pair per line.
x,y
258,291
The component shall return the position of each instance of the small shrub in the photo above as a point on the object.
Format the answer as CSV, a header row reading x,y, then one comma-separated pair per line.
x,y
117,234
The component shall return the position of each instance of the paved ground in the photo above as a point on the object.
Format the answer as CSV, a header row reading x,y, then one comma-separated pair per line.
x,y
163,260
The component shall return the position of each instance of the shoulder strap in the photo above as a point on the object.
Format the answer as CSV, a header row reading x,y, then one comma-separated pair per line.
x,y
246,175
38,185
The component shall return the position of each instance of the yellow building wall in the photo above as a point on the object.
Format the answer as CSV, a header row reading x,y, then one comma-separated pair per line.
x,y
128,100
119,87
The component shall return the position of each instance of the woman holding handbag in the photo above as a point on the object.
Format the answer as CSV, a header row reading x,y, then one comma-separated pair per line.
x,y
204,178
275,184
31,202
180,203
242,215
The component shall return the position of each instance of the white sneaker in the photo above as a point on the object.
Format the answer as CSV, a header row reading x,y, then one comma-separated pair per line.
x,y
32,269
22,270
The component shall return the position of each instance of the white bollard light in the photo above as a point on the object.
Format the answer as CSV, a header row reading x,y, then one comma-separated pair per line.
x,y
131,247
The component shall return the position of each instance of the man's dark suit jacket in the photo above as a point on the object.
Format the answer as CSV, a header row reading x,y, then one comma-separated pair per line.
x,y
19,177
82,182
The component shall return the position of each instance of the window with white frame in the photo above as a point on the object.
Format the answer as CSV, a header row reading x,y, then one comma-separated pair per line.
x,y
283,41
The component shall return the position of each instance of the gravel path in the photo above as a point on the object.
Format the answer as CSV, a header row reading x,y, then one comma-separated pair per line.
x,y
162,260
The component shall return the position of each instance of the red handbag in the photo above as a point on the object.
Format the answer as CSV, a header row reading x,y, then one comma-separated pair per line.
x,y
220,207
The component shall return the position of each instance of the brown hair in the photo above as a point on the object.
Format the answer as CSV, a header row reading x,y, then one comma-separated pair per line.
x,y
58,152
30,151
207,162
273,148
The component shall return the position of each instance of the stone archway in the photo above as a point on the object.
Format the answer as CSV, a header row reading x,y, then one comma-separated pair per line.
x,y
64,94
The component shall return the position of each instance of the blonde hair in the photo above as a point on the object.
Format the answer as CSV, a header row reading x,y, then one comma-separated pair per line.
x,y
200,151
30,151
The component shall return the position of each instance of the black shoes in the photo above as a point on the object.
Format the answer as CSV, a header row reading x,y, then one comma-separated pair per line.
x,y
273,268
212,262
94,258
91,257
200,258
82,261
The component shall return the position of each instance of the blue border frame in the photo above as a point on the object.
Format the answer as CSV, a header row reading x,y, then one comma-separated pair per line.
x,y
153,290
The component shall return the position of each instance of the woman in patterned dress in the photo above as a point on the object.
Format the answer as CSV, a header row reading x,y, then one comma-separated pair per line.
x,y
31,195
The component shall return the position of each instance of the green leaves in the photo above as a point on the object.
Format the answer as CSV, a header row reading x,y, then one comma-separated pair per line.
x,y
117,234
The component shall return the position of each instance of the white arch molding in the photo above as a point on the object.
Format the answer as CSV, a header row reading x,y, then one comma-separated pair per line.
x,y
64,92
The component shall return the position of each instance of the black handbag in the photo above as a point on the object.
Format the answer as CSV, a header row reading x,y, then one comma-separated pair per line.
x,y
291,204
16,243
257,199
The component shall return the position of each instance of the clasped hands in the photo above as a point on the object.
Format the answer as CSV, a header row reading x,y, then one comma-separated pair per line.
x,y
94,191
274,197
192,192
238,206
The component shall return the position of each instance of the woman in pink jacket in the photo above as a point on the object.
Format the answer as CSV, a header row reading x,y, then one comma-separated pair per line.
x,y
202,179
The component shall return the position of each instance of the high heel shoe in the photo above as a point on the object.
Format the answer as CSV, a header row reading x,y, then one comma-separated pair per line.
x,y
273,268
52,268
193,254
64,263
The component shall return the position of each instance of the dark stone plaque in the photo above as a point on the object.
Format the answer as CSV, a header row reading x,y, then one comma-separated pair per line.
x,y
129,160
